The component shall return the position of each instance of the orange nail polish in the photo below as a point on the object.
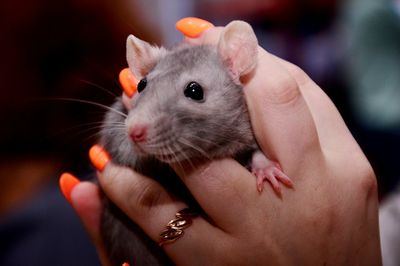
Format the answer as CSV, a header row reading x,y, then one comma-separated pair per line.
x,y
192,27
67,183
128,82
99,157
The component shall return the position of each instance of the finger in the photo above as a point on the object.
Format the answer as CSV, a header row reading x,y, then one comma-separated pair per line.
x,y
146,202
142,198
194,30
280,116
138,196
128,82
330,125
219,183
86,200
129,86
193,27
150,206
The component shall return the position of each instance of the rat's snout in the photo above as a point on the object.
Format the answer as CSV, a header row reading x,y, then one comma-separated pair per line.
x,y
138,133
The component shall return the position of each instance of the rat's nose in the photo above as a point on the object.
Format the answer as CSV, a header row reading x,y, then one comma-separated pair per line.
x,y
138,133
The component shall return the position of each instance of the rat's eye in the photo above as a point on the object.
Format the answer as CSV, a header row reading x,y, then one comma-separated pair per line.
x,y
141,85
194,91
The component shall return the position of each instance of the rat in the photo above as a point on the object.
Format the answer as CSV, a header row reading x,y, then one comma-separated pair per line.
x,y
189,108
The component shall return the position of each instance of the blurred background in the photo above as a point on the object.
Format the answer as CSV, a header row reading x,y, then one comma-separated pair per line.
x,y
57,50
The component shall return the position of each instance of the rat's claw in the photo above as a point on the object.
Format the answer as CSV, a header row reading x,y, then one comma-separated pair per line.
x,y
284,178
273,175
267,174
265,169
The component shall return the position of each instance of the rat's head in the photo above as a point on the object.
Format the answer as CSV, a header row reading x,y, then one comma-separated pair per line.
x,y
190,102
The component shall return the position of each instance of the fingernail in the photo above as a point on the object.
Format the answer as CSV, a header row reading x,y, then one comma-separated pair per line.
x,y
125,264
278,190
192,27
128,82
67,183
99,157
288,183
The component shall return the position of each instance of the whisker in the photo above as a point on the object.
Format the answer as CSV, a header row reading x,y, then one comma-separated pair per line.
x,y
221,145
158,150
100,125
187,158
93,103
177,160
97,129
92,136
188,144
99,87
206,140
188,116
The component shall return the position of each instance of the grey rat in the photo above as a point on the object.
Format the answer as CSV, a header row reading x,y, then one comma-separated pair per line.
x,y
190,107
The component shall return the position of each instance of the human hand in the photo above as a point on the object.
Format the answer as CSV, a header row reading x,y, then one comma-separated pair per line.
x,y
330,218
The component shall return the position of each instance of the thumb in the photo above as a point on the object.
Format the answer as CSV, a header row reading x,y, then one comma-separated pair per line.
x,y
86,200
279,114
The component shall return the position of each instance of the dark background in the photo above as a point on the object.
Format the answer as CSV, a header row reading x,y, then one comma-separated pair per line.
x,y
52,50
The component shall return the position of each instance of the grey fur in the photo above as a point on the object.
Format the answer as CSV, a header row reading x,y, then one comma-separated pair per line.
x,y
217,127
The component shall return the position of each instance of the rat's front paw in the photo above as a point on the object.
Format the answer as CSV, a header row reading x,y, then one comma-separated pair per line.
x,y
267,170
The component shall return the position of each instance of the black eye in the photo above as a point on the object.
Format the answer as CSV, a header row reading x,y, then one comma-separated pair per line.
x,y
141,85
194,91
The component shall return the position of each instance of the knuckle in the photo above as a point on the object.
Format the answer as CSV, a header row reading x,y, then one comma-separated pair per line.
x,y
297,73
362,181
283,90
144,194
131,188
368,183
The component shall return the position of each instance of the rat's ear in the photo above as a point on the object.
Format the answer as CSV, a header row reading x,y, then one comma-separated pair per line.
x,y
142,56
238,48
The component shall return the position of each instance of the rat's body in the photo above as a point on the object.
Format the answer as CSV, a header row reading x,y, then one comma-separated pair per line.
x,y
171,122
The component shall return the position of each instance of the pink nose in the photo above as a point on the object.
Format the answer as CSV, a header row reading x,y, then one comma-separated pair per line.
x,y
138,133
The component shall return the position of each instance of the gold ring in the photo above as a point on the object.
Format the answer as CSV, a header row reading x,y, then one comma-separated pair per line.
x,y
174,229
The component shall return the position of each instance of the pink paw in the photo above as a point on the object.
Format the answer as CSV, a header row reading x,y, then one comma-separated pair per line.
x,y
273,174
267,170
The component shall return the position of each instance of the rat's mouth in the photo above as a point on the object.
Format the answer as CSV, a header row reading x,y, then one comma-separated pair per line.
x,y
138,149
161,152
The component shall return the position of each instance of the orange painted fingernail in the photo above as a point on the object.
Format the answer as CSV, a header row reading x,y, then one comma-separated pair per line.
x,y
67,183
125,264
99,157
128,82
192,27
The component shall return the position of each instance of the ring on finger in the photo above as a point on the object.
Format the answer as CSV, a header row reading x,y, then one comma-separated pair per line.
x,y
175,227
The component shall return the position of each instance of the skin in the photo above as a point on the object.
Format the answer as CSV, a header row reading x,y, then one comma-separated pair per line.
x,y
329,218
